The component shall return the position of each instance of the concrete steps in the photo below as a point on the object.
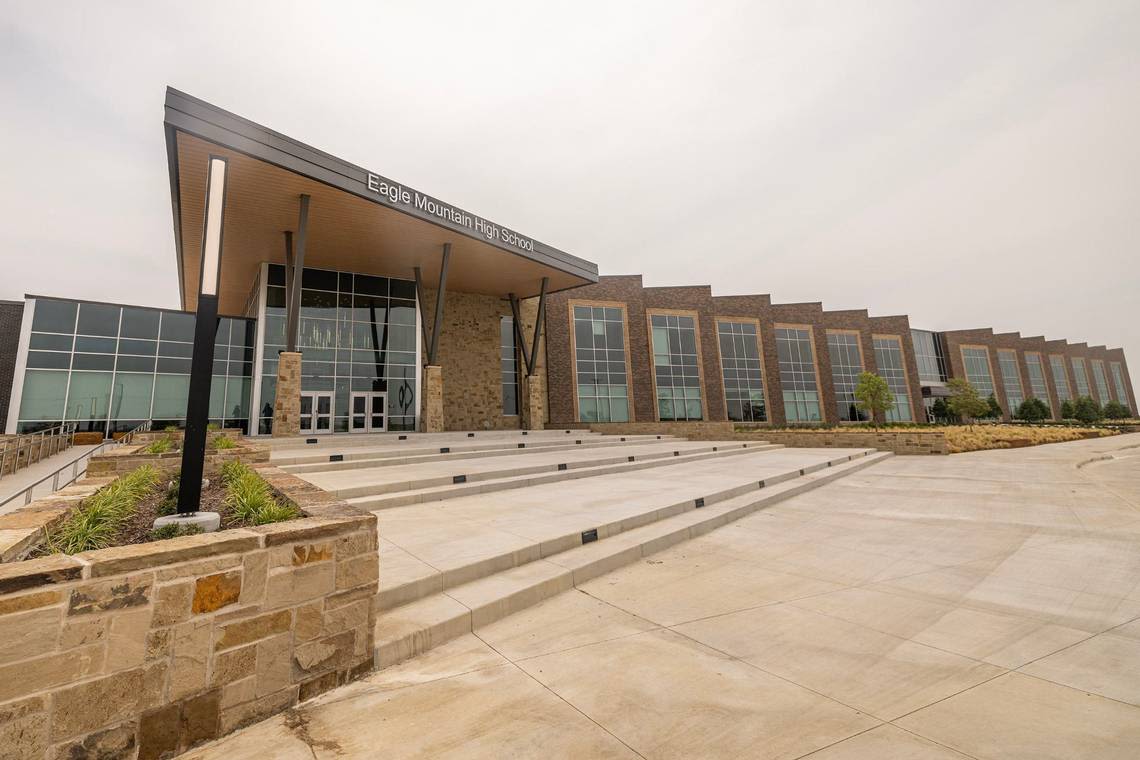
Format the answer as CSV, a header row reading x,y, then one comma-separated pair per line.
x,y
353,457
391,495
426,611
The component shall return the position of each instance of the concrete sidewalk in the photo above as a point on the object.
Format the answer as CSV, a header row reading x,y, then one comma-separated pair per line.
x,y
974,606
21,479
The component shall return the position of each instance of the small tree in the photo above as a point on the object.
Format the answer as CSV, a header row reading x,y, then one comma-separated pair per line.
x,y
940,411
1087,410
1068,411
873,395
1114,410
993,407
1032,410
964,400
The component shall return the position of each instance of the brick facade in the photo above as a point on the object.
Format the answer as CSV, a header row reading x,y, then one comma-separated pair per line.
x,y
11,314
638,302
954,340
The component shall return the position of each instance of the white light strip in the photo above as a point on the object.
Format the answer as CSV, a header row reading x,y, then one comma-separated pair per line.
x,y
212,248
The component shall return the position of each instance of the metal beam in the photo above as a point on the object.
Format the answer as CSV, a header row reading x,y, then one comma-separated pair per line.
x,y
293,302
420,304
520,341
530,358
538,320
288,283
439,298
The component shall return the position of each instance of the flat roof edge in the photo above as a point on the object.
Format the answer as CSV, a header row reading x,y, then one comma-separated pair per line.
x,y
185,113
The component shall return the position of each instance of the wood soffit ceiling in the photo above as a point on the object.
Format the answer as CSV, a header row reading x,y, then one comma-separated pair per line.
x,y
346,232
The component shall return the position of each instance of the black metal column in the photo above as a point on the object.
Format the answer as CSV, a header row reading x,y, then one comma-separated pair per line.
x,y
431,342
205,333
198,405
293,296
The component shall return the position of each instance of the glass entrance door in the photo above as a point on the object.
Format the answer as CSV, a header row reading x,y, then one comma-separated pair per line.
x,y
368,412
316,412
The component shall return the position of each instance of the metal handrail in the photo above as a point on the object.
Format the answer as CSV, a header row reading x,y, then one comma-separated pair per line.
x,y
52,440
74,465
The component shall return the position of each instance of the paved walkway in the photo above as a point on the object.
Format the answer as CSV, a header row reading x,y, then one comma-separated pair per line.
x,y
976,606
21,479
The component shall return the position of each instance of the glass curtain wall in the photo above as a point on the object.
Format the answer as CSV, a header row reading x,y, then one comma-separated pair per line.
x,y
846,366
357,333
110,367
1081,377
1010,379
1118,381
1060,378
740,366
1037,383
676,367
929,356
509,366
1101,381
977,362
797,374
890,362
599,364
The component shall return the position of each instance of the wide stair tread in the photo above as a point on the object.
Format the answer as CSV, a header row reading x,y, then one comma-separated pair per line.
x,y
549,474
419,625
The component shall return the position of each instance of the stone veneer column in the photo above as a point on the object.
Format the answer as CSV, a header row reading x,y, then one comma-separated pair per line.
x,y
287,402
533,402
433,400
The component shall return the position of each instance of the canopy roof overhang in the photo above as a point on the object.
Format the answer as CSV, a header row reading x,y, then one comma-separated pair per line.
x,y
359,221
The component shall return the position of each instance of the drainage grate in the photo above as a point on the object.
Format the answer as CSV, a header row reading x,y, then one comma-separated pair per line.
x,y
311,440
402,438
577,442
525,432
630,459
623,440
801,471
470,435
761,485
444,449
698,503
676,453
459,479
714,448
562,467
589,536
336,457
521,445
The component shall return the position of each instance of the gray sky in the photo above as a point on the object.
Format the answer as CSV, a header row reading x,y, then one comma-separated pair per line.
x,y
967,163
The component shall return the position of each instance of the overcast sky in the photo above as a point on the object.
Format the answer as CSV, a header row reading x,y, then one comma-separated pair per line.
x,y
967,163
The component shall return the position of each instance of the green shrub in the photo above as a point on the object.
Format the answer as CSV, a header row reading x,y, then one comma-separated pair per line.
x,y
1114,410
1087,410
275,512
1068,410
97,521
232,469
993,408
222,442
160,446
174,531
171,429
1033,410
213,426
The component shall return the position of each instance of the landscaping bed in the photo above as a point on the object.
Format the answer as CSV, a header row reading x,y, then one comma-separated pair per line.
x,y
929,439
123,512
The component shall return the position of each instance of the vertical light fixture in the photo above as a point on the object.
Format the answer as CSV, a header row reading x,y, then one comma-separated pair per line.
x,y
202,363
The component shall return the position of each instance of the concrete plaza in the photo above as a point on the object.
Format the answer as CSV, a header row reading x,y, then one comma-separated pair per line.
x,y
980,605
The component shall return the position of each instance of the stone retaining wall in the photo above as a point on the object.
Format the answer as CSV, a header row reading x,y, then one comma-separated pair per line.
x,y
897,441
124,459
149,649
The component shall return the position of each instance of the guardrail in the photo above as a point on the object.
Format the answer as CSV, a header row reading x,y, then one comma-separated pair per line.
x,y
74,466
29,448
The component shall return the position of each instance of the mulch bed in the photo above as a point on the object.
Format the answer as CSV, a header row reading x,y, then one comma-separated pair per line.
x,y
138,529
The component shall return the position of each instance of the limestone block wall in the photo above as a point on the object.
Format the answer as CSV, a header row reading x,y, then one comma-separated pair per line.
x,y
147,650
469,355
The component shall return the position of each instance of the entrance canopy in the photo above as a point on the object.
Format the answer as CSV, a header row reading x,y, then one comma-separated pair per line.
x,y
358,220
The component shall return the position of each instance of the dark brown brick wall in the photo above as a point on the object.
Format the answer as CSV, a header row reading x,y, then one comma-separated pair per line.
x,y
11,313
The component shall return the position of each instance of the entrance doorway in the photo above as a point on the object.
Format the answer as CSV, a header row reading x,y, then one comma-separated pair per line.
x,y
368,413
316,412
